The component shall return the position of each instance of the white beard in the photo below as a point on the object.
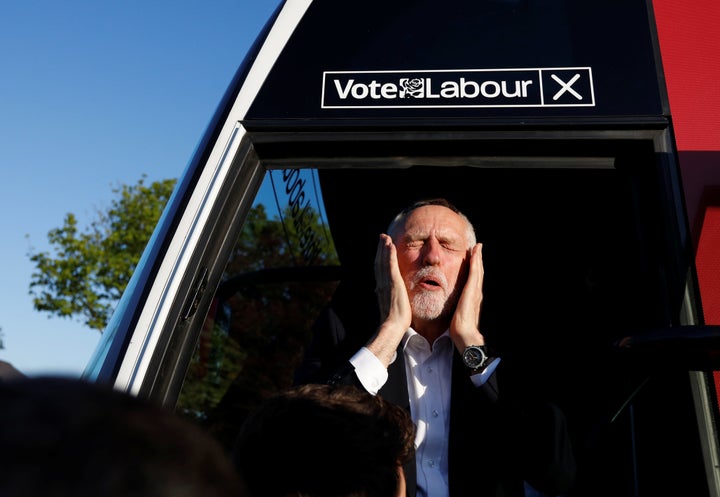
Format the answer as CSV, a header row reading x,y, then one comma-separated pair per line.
x,y
429,305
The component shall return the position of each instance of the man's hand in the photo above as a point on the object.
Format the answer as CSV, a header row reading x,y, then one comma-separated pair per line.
x,y
465,324
393,300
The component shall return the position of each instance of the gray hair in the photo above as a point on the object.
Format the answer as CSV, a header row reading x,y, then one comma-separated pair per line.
x,y
402,215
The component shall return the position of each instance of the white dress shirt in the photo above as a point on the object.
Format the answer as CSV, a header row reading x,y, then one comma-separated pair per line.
x,y
429,374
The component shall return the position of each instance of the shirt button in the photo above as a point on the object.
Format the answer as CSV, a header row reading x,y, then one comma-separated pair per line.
x,y
435,413
431,463
429,370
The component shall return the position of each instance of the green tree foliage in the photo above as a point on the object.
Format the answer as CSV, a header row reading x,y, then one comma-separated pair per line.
x,y
259,322
88,270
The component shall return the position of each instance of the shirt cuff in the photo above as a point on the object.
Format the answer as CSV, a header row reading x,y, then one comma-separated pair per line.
x,y
480,378
369,370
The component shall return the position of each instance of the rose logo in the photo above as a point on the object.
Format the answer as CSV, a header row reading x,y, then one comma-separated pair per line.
x,y
411,88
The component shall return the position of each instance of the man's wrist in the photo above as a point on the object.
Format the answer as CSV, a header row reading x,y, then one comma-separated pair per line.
x,y
475,358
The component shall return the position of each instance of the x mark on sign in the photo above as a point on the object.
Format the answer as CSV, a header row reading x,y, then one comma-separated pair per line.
x,y
566,87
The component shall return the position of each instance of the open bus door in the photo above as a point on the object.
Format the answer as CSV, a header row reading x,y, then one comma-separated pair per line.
x,y
545,121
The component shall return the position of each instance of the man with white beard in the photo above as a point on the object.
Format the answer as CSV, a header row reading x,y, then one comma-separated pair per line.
x,y
429,355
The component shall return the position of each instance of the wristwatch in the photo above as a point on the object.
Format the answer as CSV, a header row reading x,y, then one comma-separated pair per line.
x,y
475,357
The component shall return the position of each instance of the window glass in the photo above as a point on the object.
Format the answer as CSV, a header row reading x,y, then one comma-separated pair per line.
x,y
283,269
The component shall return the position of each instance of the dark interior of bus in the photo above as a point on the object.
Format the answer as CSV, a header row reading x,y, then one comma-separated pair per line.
x,y
578,252
577,255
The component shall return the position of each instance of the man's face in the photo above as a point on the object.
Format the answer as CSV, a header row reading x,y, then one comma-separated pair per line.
x,y
432,252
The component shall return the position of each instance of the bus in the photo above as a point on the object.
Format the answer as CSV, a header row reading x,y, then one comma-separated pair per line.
x,y
549,123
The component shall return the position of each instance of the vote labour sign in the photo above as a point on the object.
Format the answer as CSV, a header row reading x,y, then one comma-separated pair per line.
x,y
541,87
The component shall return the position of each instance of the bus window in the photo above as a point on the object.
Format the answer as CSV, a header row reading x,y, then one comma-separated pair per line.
x,y
282,270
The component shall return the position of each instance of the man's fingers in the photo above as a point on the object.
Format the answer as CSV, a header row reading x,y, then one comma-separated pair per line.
x,y
386,269
476,264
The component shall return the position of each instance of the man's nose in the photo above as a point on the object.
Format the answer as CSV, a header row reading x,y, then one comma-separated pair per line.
x,y
431,255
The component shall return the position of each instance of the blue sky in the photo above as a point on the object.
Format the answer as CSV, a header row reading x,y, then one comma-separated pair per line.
x,y
93,95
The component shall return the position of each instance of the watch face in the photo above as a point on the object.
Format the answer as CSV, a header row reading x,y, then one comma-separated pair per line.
x,y
473,357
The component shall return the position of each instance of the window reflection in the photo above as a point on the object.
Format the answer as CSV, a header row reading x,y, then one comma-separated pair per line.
x,y
282,271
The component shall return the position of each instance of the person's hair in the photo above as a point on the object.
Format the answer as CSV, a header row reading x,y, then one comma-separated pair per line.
x,y
402,215
64,437
324,441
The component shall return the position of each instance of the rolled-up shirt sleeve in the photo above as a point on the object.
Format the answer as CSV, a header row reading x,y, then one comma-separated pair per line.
x,y
371,373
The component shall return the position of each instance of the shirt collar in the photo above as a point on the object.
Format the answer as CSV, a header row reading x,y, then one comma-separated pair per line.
x,y
411,334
